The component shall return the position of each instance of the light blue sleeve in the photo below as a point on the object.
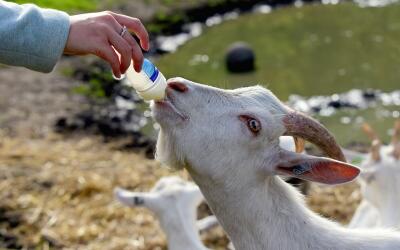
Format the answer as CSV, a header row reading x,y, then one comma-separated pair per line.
x,y
32,37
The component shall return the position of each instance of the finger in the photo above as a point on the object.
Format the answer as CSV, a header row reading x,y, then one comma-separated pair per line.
x,y
137,54
108,54
117,28
123,48
136,26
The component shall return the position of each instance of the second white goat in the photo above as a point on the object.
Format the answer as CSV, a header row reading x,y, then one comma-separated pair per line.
x,y
380,182
174,202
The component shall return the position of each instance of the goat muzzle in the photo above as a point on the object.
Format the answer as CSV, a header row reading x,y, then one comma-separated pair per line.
x,y
299,125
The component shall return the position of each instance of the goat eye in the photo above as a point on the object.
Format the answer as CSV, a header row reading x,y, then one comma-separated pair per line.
x,y
254,125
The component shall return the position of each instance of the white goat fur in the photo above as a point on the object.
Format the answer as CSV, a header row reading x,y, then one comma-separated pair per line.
x,y
287,142
380,188
235,170
174,202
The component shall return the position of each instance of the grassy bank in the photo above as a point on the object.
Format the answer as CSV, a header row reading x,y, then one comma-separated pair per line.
x,y
313,50
67,5
159,6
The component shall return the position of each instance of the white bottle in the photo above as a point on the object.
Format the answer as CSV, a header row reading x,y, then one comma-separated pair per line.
x,y
149,83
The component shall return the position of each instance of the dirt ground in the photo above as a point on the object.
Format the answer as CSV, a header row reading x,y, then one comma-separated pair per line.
x,y
56,190
30,102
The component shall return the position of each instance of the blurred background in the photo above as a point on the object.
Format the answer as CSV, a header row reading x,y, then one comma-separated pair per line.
x,y
69,137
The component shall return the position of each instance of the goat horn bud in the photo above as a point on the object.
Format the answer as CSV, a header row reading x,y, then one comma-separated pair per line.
x,y
396,133
396,140
300,125
396,151
367,129
376,150
376,142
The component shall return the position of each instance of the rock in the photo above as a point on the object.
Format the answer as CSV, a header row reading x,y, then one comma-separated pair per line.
x,y
337,104
240,58
370,94
61,124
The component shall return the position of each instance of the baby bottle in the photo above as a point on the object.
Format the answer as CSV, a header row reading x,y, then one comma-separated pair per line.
x,y
149,83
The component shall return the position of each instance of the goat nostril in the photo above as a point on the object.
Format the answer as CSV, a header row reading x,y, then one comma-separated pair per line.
x,y
177,86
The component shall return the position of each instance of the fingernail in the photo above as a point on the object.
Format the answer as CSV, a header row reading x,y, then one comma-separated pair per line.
x,y
117,76
146,48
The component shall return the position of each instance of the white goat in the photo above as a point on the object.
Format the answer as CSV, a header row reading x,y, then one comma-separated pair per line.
x,y
380,182
228,140
175,202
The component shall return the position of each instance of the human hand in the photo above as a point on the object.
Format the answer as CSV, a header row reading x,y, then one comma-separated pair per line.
x,y
100,34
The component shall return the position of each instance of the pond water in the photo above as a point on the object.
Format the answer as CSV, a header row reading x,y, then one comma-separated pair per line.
x,y
307,54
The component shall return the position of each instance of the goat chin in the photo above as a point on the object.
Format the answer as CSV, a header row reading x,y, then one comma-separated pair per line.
x,y
167,152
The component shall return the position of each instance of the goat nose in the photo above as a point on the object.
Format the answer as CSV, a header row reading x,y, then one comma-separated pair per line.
x,y
178,86
138,200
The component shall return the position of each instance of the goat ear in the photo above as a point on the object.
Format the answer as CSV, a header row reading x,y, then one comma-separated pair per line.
x,y
317,169
131,199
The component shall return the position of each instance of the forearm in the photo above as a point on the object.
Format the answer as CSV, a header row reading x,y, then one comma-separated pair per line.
x,y
32,37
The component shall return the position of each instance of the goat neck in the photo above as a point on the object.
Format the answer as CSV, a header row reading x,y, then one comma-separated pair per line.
x,y
273,215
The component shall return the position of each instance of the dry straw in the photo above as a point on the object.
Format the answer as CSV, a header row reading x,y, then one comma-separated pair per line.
x,y
57,193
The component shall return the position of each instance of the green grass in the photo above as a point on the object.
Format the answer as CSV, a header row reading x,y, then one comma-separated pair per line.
x,y
313,50
317,49
78,6
66,5
377,117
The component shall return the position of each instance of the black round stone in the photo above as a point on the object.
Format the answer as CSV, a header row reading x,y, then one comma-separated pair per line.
x,y
240,58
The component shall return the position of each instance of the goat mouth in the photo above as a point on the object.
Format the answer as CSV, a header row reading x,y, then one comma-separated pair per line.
x,y
168,104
